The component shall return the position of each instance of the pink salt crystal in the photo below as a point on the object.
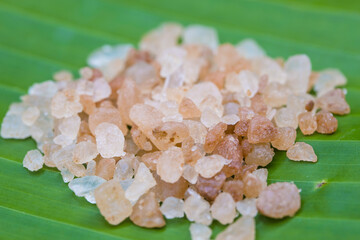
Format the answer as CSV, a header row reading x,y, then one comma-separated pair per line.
x,y
276,94
190,174
70,126
164,189
327,80
170,165
105,168
326,122
33,160
30,115
284,139
65,104
85,87
146,212
109,140
235,188
247,207
86,73
123,168
307,123
128,95
196,130
209,188
334,102
246,82
63,76
285,117
279,200
84,152
261,130
200,232
255,182
230,119
145,117
144,75
209,118
172,208
209,166
223,208
201,35
261,154
188,109
169,134
151,159
140,139
197,209
88,104
269,67
200,91
298,70
144,180
111,201
106,114
301,152
214,136
243,228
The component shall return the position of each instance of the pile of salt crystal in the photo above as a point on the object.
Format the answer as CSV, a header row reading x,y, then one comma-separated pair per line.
x,y
203,117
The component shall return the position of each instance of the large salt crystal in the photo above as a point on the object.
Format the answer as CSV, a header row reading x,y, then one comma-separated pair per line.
x,y
200,232
145,117
70,126
285,117
249,49
63,140
144,180
269,67
297,103
123,169
170,165
301,152
298,69
199,92
161,38
85,187
144,75
209,166
202,35
30,115
12,125
111,201
243,228
170,60
223,208
245,82
45,89
329,79
90,168
110,140
255,182
65,104
85,87
190,174
106,114
172,207
33,160
230,119
85,152
197,209
209,118
104,55
102,89
247,207
197,130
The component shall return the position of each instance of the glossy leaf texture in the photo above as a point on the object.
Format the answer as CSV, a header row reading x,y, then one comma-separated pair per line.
x,y
39,37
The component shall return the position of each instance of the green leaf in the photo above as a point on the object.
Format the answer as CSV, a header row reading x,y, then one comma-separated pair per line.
x,y
39,37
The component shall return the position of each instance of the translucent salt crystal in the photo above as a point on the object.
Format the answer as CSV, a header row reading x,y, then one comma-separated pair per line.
x,y
284,139
109,140
297,103
112,69
334,102
86,73
197,209
261,154
209,118
33,160
85,87
102,89
284,117
144,180
197,130
190,174
307,123
276,94
65,104
164,189
250,49
211,102
261,130
67,176
199,92
85,152
269,67
70,126
298,69
243,228
144,75
170,165
170,60
231,108
247,207
105,54
279,200
223,208
63,140
208,166
172,208
30,115
326,122
329,79
161,38
230,119
245,82
106,114
123,169
145,117
85,186
188,109
125,184
214,136
255,182
12,125
169,134
112,203
90,168
200,232
105,168
301,152
45,89
202,35
63,76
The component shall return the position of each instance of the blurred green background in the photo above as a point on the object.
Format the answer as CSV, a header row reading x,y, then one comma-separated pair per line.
x,y
39,37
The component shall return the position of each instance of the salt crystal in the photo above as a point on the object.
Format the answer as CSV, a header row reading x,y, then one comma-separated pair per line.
x,y
301,152
170,60
261,154
209,118
284,117
245,82
45,89
243,228
196,130
124,168
298,69
85,187
223,208
198,34
101,57
63,76
70,126
255,182
190,174
84,152
284,139
326,122
105,168
109,140
208,166
172,208
102,89
269,67
170,165
33,160
250,49
30,115
329,79
200,91
90,168
12,125
200,232
67,176
65,104
230,119
197,209
85,87
247,207
142,183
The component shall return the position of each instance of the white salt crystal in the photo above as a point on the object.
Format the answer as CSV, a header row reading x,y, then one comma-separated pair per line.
x,y
247,207
90,168
190,174
246,83
209,166
123,169
66,175
12,126
243,228
30,115
200,232
84,152
329,79
230,119
298,69
197,130
85,87
85,186
249,49
109,140
170,60
105,54
125,184
223,208
33,160
102,89
267,66
45,89
197,209
209,118
202,35
70,126
172,207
